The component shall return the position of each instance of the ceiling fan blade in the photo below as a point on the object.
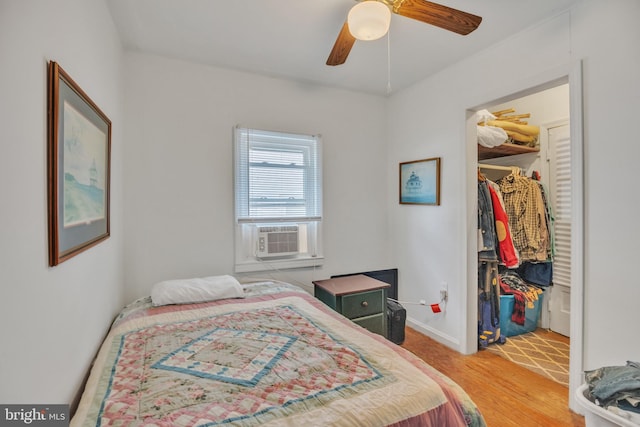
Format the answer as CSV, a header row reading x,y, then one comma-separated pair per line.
x,y
342,47
436,14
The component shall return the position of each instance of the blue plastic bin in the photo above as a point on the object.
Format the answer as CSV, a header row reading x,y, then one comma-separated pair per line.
x,y
509,328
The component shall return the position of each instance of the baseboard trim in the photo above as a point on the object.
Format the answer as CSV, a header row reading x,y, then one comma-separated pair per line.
x,y
435,334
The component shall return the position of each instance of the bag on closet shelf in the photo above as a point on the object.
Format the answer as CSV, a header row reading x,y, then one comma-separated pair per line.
x,y
491,136
483,116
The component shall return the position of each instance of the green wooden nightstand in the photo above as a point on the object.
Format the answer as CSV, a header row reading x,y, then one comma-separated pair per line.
x,y
360,298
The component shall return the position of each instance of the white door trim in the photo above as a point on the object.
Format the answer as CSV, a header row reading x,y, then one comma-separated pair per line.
x,y
577,235
571,73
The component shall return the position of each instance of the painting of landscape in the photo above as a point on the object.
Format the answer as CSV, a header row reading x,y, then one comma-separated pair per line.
x,y
78,168
84,175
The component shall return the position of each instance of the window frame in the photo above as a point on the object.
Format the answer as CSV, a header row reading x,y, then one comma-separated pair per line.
x,y
248,216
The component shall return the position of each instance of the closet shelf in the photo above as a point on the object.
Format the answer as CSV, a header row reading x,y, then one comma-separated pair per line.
x,y
505,149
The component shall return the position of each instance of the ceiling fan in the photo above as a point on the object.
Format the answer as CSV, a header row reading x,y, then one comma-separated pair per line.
x,y
378,14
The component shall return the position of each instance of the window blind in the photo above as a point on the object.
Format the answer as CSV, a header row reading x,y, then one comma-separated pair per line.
x,y
277,176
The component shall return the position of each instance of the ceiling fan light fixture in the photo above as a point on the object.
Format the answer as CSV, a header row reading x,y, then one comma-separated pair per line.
x,y
369,20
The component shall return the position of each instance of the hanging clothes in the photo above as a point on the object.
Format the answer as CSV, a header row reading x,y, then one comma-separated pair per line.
x,y
488,305
488,289
550,220
526,210
537,273
486,224
506,250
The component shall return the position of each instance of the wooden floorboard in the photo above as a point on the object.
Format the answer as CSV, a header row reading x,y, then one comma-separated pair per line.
x,y
507,394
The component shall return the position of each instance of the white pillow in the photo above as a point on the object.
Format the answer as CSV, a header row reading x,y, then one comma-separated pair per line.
x,y
187,291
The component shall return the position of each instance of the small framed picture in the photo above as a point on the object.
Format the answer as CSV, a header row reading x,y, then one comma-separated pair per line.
x,y
420,182
79,149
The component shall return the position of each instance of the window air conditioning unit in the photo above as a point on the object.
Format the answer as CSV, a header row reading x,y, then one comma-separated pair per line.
x,y
280,241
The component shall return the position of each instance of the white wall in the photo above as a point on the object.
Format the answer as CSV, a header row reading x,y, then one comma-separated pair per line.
x,y
429,120
179,175
545,106
52,319
612,104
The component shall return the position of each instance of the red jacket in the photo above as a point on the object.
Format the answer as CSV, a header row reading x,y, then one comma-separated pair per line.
x,y
507,251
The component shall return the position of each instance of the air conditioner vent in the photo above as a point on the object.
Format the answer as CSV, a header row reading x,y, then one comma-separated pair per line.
x,y
277,241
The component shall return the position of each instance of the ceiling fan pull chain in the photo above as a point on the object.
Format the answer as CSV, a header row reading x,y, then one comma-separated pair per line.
x,y
388,62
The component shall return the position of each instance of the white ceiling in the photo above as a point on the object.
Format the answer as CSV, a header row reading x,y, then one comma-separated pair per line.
x,y
293,38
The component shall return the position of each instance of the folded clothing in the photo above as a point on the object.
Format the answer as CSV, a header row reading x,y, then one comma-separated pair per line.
x,y
611,385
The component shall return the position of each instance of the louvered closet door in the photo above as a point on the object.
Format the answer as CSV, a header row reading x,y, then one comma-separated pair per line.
x,y
560,179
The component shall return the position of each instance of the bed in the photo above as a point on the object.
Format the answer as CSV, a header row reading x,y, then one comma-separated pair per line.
x,y
271,355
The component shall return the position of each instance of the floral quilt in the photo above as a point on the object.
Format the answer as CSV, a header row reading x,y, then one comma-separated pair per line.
x,y
272,358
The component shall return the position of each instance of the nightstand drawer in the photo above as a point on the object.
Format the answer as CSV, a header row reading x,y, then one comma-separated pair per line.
x,y
363,304
375,324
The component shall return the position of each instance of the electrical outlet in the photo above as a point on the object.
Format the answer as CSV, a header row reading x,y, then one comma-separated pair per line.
x,y
444,294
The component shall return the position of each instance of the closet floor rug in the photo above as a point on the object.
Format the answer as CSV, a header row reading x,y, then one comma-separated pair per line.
x,y
538,352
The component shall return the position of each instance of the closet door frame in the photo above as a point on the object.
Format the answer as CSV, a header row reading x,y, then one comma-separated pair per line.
x,y
572,74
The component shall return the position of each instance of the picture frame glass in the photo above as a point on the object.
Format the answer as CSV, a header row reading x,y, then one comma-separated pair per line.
x,y
420,182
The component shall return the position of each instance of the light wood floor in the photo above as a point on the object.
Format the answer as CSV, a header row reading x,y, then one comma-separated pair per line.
x,y
507,394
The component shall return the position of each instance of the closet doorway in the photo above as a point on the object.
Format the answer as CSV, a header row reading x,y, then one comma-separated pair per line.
x,y
565,305
552,163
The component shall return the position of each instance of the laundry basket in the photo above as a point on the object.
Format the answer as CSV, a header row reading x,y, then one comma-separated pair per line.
x,y
509,328
597,416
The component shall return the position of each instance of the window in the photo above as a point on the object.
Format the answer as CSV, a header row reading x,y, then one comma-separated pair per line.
x,y
278,199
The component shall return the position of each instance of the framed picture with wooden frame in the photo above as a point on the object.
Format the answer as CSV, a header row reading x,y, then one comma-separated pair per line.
x,y
79,164
420,182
